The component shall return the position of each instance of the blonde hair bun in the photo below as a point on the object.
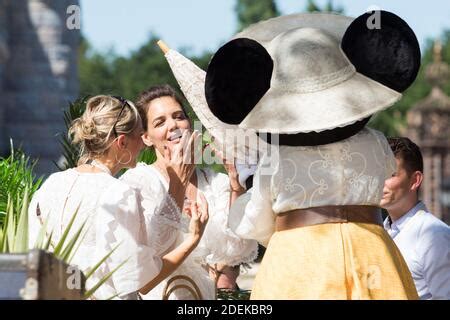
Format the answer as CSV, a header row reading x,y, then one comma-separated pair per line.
x,y
93,131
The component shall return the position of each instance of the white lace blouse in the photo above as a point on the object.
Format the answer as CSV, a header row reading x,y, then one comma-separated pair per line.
x,y
166,226
112,214
348,172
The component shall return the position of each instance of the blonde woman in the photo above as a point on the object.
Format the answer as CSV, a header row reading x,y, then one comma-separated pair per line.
x,y
109,136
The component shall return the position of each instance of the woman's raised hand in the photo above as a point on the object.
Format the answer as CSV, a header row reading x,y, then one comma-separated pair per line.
x,y
198,211
233,175
180,162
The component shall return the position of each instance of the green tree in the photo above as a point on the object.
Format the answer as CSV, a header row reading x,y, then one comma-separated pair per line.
x,y
95,70
329,7
109,73
393,120
250,11
112,74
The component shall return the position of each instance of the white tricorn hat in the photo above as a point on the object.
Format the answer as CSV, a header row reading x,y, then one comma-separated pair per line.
x,y
312,78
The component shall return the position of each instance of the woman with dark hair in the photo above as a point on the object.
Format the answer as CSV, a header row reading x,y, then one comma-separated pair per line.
x,y
219,254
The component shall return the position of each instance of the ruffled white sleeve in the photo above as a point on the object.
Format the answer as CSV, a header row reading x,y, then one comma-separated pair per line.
x,y
224,246
119,224
257,219
161,214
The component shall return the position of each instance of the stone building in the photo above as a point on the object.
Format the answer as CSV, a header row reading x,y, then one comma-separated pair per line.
x,y
429,126
38,76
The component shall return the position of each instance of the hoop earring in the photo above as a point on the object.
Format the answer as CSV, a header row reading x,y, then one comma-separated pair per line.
x,y
129,160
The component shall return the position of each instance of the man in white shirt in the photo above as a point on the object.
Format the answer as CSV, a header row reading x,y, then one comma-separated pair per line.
x,y
423,240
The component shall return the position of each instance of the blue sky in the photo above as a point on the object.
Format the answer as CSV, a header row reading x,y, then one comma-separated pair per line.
x,y
200,25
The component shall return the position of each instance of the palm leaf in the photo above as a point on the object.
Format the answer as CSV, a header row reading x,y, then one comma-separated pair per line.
x,y
72,255
94,268
39,244
71,244
3,239
21,234
49,242
103,280
71,152
16,174
10,227
114,296
60,244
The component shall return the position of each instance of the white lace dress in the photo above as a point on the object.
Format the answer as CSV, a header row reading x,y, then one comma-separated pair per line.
x,y
167,227
348,172
112,214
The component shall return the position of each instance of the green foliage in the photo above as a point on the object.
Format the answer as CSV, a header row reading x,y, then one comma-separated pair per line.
x,y
144,68
329,7
392,121
223,294
130,75
71,152
14,231
16,190
14,238
250,11
94,288
95,71
147,156
17,179
107,73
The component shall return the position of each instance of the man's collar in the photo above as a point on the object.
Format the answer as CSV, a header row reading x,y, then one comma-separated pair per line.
x,y
401,222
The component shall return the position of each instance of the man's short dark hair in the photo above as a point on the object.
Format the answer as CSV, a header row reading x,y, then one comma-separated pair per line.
x,y
407,150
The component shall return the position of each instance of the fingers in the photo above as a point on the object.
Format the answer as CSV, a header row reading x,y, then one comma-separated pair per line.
x,y
194,211
215,150
177,152
203,207
187,207
192,143
197,155
187,136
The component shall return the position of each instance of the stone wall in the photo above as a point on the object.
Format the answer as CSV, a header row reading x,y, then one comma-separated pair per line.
x,y
4,53
38,78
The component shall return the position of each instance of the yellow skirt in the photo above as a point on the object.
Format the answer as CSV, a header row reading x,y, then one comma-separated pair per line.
x,y
333,261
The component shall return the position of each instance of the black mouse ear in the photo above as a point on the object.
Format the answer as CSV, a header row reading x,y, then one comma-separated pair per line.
x,y
384,48
237,77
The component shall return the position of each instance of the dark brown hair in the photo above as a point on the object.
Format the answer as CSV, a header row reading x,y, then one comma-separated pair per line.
x,y
152,93
407,150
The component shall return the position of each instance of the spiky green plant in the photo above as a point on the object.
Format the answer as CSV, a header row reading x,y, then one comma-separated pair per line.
x,y
16,176
65,249
14,238
17,187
